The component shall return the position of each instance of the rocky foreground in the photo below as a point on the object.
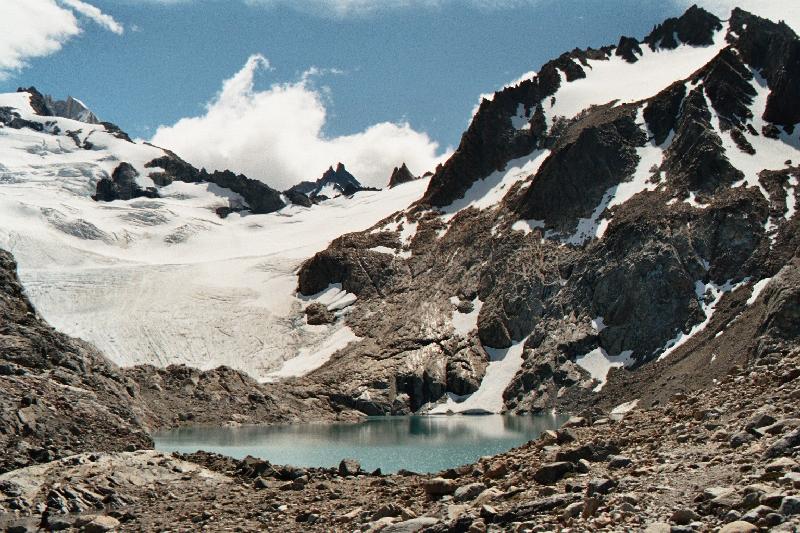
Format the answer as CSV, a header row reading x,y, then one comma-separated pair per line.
x,y
722,457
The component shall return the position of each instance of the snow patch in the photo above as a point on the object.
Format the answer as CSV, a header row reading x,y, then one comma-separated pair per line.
x,y
488,399
598,363
598,324
527,226
464,323
489,191
770,153
521,121
617,80
716,293
312,358
757,288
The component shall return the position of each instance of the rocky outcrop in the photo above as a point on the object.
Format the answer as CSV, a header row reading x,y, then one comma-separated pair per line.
x,y
400,175
592,155
260,197
773,50
183,396
696,27
58,395
122,185
38,101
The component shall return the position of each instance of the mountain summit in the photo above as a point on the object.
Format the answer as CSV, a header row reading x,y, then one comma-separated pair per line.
x,y
338,182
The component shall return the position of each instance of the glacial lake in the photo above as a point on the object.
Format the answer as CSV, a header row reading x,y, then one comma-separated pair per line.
x,y
416,443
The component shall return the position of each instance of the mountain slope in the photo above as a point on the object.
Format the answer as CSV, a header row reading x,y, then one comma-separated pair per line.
x,y
625,205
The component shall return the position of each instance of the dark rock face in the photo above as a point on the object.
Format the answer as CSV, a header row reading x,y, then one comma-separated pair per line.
x,y
12,119
661,112
122,186
592,155
298,198
695,27
260,197
696,159
628,49
400,175
38,101
116,131
774,50
58,395
728,86
72,109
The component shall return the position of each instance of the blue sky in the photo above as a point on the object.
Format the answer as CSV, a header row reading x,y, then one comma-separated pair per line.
x,y
426,65
424,62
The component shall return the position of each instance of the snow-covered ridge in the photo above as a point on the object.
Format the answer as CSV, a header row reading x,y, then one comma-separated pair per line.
x,y
162,280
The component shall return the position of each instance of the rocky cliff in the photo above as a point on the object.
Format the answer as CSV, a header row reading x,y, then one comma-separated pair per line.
x,y
59,395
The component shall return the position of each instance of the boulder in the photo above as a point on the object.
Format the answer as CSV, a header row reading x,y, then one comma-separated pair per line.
x,y
349,467
438,486
551,473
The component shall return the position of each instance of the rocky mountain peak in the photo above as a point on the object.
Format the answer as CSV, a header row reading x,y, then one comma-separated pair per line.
x,y
71,108
695,27
400,175
333,182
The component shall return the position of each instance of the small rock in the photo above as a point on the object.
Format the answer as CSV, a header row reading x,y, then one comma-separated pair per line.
x,y
740,439
439,486
101,524
497,470
600,486
782,464
410,526
573,510
790,506
740,526
349,467
575,422
468,492
551,473
658,527
684,517
619,461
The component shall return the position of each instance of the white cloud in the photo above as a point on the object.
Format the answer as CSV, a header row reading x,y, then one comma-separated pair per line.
x,y
36,28
276,135
90,11
786,10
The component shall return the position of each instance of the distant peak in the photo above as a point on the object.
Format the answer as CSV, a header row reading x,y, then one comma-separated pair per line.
x,y
400,175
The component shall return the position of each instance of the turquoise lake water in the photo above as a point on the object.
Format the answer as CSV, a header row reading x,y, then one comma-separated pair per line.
x,y
417,443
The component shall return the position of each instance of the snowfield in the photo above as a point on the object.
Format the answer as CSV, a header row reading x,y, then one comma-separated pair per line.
x,y
165,280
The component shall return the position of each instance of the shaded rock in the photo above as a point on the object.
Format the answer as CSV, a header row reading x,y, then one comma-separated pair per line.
x,y
438,487
122,186
317,314
400,175
552,472
349,467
